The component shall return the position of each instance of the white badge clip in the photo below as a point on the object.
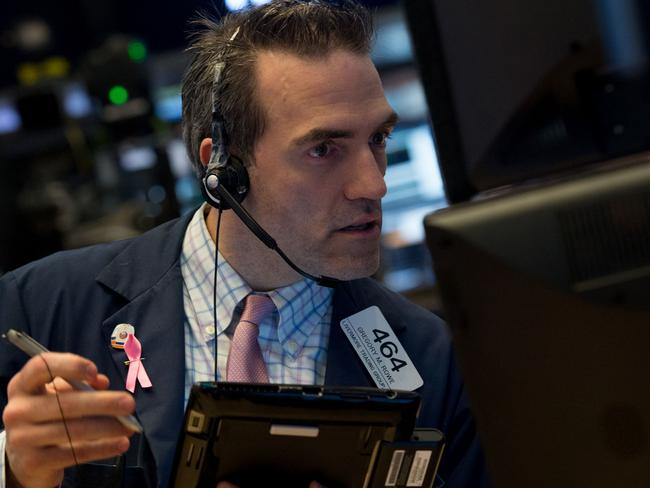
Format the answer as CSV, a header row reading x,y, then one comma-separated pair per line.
x,y
380,351
120,334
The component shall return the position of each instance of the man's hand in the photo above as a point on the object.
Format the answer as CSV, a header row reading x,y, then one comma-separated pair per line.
x,y
37,446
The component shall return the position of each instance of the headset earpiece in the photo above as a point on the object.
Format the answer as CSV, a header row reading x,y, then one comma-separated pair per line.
x,y
232,176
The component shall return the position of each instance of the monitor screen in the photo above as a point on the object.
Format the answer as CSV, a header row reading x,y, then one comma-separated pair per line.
x,y
519,90
76,101
165,73
547,293
10,120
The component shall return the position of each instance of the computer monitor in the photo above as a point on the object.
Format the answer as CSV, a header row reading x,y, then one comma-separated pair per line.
x,y
523,89
547,291
540,112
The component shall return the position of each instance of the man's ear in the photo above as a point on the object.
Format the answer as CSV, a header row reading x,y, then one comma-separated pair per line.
x,y
205,150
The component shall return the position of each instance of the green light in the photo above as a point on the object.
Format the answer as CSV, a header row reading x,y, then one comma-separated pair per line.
x,y
118,95
137,51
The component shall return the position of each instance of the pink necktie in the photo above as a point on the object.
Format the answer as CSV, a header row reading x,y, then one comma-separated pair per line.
x,y
245,361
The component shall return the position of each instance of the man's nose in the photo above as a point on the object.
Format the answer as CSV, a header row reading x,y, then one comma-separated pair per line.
x,y
366,178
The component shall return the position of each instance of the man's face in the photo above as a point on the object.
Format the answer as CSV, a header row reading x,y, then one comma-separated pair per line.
x,y
318,174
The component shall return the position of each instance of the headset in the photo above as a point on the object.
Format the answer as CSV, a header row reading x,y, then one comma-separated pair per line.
x,y
225,182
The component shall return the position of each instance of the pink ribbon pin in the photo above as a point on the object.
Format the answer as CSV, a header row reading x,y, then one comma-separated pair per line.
x,y
133,350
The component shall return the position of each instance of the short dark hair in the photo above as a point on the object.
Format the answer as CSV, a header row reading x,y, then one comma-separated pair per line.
x,y
311,29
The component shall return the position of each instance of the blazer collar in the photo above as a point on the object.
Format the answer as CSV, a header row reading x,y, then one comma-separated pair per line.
x,y
146,259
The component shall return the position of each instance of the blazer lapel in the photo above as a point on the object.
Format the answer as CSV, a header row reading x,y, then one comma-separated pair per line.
x,y
344,367
157,316
148,275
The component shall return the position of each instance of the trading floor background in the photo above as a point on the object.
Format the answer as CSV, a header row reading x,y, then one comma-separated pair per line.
x,y
90,143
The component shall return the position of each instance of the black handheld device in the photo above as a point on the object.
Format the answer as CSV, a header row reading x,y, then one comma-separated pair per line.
x,y
289,435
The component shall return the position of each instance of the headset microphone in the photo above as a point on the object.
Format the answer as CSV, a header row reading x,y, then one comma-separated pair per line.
x,y
212,185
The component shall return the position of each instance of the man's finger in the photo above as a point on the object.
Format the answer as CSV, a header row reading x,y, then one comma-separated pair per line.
x,y
101,382
54,433
99,449
60,385
59,457
41,369
74,404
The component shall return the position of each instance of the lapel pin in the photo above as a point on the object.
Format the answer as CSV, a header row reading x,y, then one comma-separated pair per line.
x,y
120,334
136,372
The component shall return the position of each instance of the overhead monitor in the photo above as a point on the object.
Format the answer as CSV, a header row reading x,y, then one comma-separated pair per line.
x,y
522,90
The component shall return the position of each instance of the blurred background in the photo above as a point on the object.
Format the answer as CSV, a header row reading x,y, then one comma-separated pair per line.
x,y
90,140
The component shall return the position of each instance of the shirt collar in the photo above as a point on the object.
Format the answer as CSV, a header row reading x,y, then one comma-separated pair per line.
x,y
301,306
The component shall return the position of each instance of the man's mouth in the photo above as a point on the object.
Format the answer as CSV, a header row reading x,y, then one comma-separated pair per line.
x,y
360,227
364,226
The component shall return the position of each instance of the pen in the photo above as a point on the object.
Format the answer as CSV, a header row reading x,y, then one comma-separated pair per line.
x,y
33,348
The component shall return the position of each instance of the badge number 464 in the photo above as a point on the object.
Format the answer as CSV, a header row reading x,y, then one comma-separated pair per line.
x,y
388,349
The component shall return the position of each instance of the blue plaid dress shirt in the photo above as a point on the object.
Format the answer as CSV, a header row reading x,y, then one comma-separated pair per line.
x,y
293,340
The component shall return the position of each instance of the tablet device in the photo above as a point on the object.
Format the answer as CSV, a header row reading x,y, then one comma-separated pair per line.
x,y
288,435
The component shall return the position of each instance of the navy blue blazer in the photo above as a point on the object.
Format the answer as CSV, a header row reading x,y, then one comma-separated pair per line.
x,y
72,300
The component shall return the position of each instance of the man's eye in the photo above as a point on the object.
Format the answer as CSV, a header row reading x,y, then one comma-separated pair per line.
x,y
380,139
320,151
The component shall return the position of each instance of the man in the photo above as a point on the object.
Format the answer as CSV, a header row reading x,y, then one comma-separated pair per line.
x,y
305,111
